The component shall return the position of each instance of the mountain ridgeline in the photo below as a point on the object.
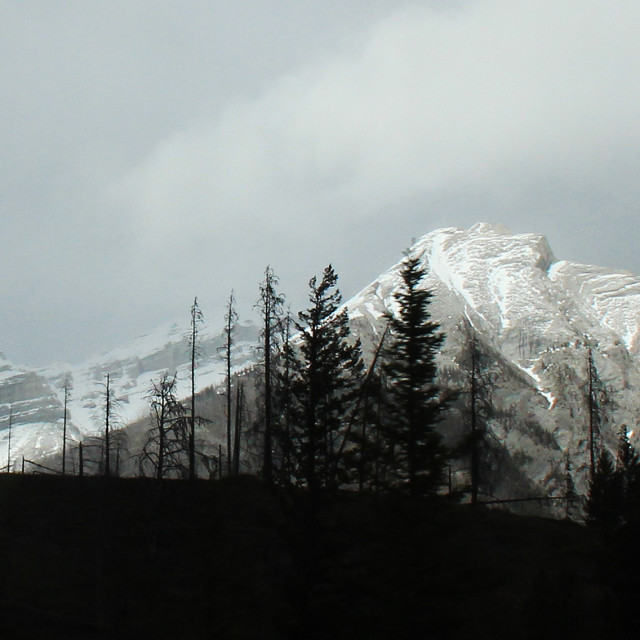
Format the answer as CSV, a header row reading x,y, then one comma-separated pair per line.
x,y
542,353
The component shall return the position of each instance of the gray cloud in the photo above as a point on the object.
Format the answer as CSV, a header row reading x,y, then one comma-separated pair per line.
x,y
157,150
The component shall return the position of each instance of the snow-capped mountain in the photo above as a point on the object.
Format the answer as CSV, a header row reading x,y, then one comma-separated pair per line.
x,y
35,397
535,318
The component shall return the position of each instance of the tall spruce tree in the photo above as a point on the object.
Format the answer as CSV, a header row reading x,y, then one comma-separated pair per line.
x,y
284,402
599,407
326,374
360,447
416,402
627,459
571,504
604,503
628,474
594,422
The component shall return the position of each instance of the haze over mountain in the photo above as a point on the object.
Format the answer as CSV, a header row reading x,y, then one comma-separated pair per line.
x,y
535,317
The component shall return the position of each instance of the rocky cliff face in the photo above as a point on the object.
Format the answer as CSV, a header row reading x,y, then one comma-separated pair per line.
x,y
28,408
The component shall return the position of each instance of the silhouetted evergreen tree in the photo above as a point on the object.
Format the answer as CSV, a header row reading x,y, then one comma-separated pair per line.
x,y
627,459
416,402
598,402
604,503
362,447
570,494
628,473
614,492
326,374
366,458
283,400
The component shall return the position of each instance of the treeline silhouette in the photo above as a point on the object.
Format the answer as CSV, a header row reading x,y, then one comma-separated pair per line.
x,y
311,414
321,419
289,554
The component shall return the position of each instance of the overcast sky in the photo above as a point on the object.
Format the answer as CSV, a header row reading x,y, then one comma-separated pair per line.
x,y
151,150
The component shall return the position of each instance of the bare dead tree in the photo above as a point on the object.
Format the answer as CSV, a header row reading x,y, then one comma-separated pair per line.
x,y
167,441
478,365
270,305
196,321
598,400
9,444
593,426
64,426
475,429
238,425
230,318
107,430
112,434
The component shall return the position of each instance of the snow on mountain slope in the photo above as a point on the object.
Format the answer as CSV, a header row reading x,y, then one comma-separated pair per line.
x,y
36,397
537,317
612,298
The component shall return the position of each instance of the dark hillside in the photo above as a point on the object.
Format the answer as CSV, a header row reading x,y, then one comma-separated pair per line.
x,y
232,559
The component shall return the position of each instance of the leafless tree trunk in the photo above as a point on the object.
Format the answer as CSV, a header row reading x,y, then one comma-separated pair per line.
x,y
230,319
196,320
593,414
475,457
9,445
64,427
270,305
167,439
238,427
107,435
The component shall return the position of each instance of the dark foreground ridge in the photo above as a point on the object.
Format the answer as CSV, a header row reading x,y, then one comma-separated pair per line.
x,y
134,558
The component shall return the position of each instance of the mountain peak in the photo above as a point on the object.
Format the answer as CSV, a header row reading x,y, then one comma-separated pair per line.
x,y
533,314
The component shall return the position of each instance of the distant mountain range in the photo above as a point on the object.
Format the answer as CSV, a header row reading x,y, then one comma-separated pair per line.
x,y
534,317
36,396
